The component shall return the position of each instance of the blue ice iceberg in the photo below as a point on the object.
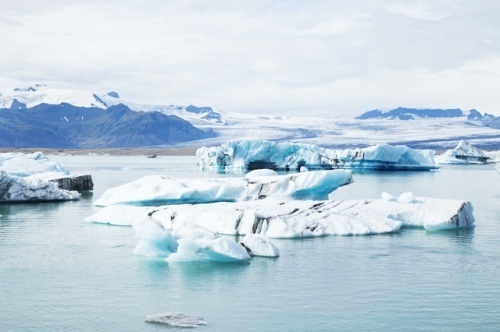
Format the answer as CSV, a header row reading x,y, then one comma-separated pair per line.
x,y
249,155
158,190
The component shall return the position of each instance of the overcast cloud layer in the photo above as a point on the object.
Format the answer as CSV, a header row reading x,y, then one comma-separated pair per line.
x,y
337,57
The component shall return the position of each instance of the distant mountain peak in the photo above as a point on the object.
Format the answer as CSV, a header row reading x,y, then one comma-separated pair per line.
x,y
403,113
113,94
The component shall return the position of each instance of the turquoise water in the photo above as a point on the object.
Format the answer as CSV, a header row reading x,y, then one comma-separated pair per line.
x,y
60,273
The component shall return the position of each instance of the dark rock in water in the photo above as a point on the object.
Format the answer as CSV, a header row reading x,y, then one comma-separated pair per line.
x,y
75,182
176,319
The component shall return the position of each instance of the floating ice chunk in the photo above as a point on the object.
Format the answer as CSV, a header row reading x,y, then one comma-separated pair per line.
x,y
260,172
158,190
19,189
406,197
260,245
219,250
155,241
176,319
121,215
20,164
463,153
303,169
250,155
386,196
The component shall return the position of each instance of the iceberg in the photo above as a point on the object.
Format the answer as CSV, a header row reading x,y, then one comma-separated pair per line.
x,y
249,155
23,165
21,189
198,232
259,245
295,219
176,319
463,153
160,190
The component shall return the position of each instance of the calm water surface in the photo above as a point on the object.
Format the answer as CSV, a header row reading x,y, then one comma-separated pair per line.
x,y
60,273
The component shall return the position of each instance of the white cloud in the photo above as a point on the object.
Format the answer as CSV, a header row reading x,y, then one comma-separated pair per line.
x,y
329,56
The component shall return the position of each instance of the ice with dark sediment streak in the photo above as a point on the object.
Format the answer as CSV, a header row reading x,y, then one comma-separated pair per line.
x,y
290,219
157,189
31,188
189,232
176,319
248,155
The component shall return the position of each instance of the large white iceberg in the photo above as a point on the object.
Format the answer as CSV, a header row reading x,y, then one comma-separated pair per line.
x,y
463,153
158,190
248,155
190,232
292,219
20,189
20,164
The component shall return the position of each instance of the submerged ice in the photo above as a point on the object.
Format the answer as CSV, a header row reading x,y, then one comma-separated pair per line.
x,y
248,155
157,189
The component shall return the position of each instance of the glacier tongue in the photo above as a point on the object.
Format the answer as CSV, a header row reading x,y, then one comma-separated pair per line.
x,y
248,155
157,190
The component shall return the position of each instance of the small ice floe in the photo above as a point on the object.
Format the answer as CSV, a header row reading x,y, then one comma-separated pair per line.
x,y
23,165
463,153
176,319
406,198
386,196
259,245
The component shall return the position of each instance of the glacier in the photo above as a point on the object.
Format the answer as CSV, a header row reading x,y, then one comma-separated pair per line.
x,y
23,165
463,153
158,190
31,188
248,155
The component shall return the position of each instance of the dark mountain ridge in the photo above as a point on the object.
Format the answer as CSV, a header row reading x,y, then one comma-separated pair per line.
x,y
68,126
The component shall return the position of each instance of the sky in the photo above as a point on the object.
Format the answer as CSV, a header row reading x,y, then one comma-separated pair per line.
x,y
299,57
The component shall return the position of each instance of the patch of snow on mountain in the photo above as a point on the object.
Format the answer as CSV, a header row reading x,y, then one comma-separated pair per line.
x,y
42,94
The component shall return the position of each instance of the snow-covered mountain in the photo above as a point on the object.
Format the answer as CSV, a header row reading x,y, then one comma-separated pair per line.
x,y
27,97
429,129
403,113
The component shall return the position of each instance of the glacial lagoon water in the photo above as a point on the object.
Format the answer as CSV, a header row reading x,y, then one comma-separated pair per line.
x,y
60,273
